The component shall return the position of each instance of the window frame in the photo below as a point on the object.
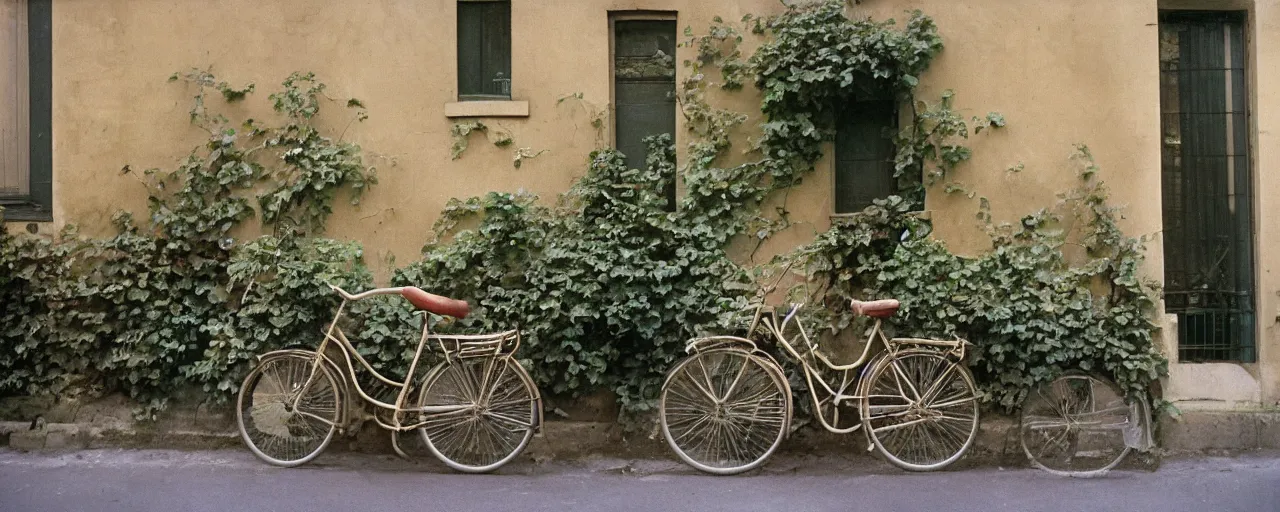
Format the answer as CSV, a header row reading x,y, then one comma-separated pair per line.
x,y
473,96
37,205
1245,350
615,16
874,93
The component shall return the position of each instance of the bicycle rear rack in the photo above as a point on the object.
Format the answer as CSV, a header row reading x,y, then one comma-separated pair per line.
x,y
463,346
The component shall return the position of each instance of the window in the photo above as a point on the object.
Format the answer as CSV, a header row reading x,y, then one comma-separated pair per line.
x,y
25,151
484,50
644,86
1206,180
865,151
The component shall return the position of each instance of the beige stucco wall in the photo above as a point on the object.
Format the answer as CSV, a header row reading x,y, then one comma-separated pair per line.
x,y
1061,72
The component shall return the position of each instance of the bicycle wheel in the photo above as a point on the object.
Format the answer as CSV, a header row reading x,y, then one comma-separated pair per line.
x,y
723,411
1075,425
497,423
271,426
920,410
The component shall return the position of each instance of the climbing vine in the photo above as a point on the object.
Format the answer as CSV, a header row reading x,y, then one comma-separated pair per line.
x,y
606,286
168,303
1031,311
813,61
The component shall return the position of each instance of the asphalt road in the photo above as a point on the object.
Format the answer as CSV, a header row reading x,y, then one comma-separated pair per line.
x,y
135,481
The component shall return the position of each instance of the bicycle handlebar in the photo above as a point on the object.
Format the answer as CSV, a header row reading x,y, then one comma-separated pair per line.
x,y
367,294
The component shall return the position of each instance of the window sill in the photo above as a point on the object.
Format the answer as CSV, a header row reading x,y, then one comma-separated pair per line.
x,y
487,109
26,213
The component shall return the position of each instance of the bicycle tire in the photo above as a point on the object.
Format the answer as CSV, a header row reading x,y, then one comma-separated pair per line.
x,y
700,420
482,447
1058,412
255,410
945,408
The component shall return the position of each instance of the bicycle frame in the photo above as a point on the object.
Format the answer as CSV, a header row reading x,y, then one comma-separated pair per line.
x,y
839,392
485,345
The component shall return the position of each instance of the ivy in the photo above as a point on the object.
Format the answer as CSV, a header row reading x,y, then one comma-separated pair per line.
x,y
277,300
606,286
817,61
462,130
1031,311
169,303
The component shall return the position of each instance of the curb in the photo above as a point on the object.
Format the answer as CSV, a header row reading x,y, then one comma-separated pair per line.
x,y
108,423
996,443
1208,431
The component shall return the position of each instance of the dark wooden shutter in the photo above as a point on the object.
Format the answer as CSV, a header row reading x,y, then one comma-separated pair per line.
x,y
864,154
484,50
38,204
644,87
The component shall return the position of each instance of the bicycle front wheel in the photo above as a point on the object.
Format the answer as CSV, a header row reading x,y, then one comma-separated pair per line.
x,y
495,417
921,410
1075,425
271,426
724,411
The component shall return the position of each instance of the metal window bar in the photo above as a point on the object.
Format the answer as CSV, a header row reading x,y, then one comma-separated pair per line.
x,y
1206,185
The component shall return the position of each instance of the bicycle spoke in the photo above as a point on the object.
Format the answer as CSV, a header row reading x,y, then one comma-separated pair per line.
x,y
723,411
705,390
1075,425
692,430
495,419
520,425
921,431
269,423
741,370
901,378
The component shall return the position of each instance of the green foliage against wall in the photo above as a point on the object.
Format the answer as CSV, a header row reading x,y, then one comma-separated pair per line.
x,y
168,303
1030,311
605,283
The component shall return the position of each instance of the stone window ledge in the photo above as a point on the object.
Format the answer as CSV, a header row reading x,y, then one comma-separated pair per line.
x,y
486,109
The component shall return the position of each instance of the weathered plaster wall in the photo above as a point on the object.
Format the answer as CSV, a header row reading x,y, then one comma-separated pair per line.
x,y
1061,72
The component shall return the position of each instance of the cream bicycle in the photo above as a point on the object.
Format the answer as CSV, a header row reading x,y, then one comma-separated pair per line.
x,y
475,411
727,407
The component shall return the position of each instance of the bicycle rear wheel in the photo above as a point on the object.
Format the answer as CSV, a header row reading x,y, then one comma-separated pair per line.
x,y
921,410
272,428
498,419
724,411
1075,425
